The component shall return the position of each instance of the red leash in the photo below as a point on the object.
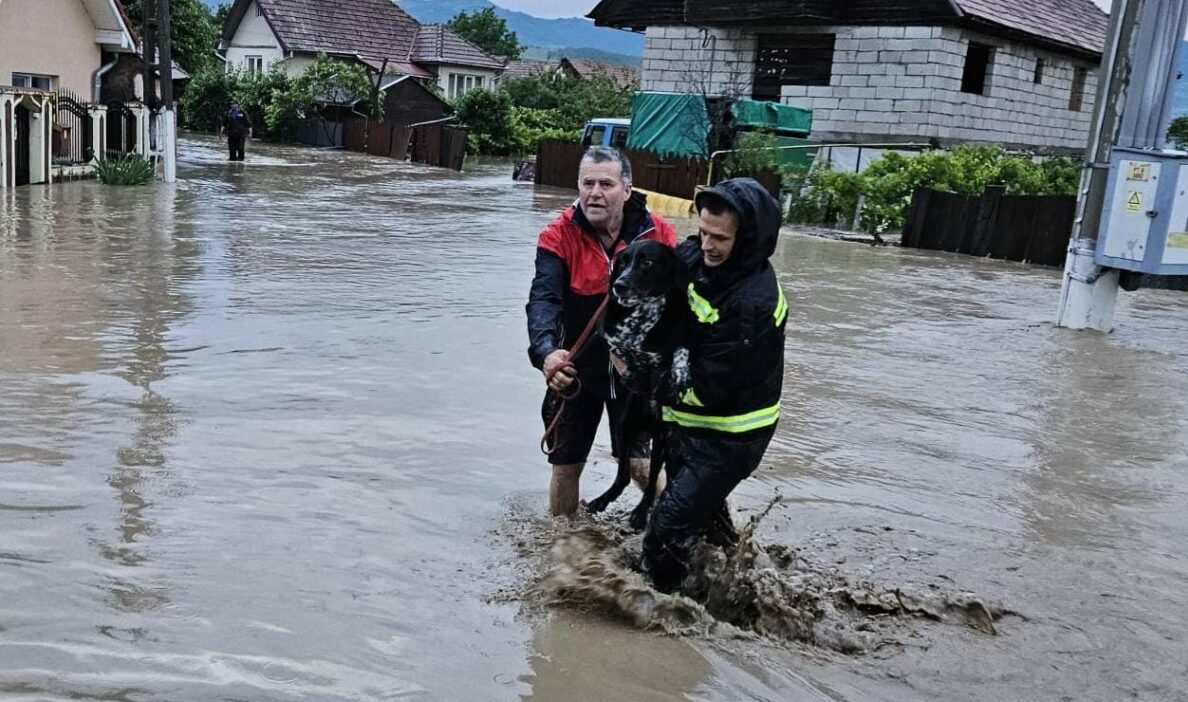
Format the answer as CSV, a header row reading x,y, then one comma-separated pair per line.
x,y
573,352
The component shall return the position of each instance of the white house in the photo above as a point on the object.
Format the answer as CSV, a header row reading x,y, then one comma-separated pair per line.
x,y
291,33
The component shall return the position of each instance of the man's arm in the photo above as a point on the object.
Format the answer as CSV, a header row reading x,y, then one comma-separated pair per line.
x,y
546,301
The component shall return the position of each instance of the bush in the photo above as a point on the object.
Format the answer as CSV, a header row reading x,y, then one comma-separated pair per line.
x,y
326,81
530,126
886,187
488,117
129,169
206,100
516,117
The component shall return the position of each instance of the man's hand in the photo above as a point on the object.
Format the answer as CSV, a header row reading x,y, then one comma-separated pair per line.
x,y
557,371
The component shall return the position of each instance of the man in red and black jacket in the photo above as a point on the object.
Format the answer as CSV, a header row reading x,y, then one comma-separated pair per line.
x,y
573,262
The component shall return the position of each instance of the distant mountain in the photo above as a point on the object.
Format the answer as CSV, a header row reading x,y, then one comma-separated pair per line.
x,y
574,32
569,34
536,53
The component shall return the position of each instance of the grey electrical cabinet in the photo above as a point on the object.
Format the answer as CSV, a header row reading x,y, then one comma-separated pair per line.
x,y
1144,225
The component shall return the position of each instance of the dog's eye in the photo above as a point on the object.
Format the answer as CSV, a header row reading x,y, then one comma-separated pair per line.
x,y
647,263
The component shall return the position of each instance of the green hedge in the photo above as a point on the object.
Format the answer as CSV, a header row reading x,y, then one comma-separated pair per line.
x,y
885,188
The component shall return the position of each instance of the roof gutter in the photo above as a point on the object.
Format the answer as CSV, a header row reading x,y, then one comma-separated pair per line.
x,y
97,79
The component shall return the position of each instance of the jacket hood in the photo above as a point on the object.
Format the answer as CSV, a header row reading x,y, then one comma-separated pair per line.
x,y
759,224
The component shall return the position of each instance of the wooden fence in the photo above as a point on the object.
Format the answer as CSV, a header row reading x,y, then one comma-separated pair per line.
x,y
433,144
1027,228
557,165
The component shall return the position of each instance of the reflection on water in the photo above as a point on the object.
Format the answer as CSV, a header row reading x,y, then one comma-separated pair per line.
x,y
256,430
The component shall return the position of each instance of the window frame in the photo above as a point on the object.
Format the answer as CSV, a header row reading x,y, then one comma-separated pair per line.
x,y
255,64
31,80
1076,92
792,59
975,78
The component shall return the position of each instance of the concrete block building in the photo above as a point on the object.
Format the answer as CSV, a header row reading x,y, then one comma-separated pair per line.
x,y
1023,75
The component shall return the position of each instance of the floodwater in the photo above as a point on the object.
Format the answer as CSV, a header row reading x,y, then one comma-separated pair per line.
x,y
262,435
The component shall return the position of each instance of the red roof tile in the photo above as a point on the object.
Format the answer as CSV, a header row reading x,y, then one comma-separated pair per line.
x,y
624,76
438,44
1078,23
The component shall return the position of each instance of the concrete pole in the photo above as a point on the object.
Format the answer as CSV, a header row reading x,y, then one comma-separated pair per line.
x,y
1138,75
169,124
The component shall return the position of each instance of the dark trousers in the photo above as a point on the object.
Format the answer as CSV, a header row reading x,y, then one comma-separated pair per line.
x,y
235,144
707,469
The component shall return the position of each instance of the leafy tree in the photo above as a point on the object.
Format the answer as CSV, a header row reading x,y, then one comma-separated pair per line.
x,y
204,104
1178,132
488,116
206,98
193,29
574,100
488,31
324,83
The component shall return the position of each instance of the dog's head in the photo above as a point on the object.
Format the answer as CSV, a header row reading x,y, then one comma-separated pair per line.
x,y
646,270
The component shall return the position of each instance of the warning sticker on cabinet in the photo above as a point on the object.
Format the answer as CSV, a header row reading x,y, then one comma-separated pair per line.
x,y
1134,201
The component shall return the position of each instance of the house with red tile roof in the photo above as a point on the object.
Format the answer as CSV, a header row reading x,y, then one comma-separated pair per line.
x,y
377,33
1022,73
624,76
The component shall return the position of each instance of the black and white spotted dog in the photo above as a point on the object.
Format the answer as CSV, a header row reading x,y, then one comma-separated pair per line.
x,y
645,323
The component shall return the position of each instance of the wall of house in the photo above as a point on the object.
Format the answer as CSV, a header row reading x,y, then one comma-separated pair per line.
x,y
898,84
444,72
254,38
49,37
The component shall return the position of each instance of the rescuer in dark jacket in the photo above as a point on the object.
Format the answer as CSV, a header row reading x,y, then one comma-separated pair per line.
x,y
237,125
726,413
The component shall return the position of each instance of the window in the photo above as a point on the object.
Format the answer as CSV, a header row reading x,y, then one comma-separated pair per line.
x,y
255,64
30,80
977,66
259,10
460,83
1076,95
792,59
1039,71
594,136
619,137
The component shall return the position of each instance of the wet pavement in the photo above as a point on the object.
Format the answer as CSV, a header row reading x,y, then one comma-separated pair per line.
x,y
262,433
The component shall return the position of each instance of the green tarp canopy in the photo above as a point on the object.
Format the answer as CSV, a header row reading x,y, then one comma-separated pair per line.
x,y
678,124
669,124
783,120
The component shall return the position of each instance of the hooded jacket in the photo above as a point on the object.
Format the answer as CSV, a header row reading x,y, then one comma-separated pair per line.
x,y
572,276
736,350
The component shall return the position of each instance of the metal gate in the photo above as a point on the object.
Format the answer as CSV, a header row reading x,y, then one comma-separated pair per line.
x,y
75,136
121,130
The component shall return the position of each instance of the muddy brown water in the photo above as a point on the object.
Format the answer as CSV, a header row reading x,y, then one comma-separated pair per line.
x,y
271,434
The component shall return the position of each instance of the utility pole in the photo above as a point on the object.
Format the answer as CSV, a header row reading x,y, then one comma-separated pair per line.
x,y
149,21
165,70
1138,75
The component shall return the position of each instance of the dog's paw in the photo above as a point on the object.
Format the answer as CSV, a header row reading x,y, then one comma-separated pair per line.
x,y
680,369
639,518
597,505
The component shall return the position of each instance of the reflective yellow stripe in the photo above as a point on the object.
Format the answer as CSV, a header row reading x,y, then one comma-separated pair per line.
x,y
732,425
781,310
689,397
706,314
